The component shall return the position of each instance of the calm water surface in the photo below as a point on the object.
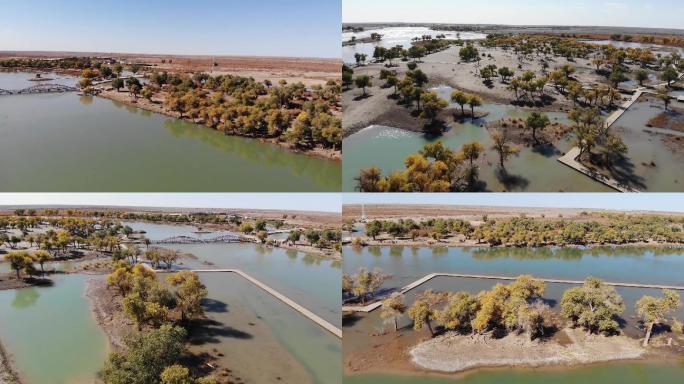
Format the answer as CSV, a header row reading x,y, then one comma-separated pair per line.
x,y
634,265
63,142
51,334
311,281
317,350
532,170
651,165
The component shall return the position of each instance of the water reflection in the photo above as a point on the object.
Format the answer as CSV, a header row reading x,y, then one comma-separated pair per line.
x,y
25,298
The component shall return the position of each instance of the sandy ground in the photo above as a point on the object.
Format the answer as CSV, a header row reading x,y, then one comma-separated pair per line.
x,y
156,105
106,307
455,353
444,68
422,211
7,374
309,71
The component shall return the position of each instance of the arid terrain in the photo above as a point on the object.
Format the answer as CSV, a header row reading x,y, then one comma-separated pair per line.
x,y
309,71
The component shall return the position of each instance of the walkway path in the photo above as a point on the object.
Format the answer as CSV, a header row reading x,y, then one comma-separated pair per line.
x,y
425,279
570,159
312,316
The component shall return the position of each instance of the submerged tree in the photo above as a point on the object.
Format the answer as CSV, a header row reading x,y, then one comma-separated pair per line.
x,y
503,147
653,310
393,308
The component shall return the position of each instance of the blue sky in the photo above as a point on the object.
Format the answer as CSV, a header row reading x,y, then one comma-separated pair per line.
x,y
302,28
666,202
632,13
321,202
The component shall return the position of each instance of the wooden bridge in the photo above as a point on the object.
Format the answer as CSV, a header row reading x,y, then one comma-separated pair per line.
x,y
40,88
373,306
227,238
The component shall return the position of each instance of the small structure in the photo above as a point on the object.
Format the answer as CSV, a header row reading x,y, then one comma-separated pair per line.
x,y
680,99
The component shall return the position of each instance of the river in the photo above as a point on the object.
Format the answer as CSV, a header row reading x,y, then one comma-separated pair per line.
x,y
64,142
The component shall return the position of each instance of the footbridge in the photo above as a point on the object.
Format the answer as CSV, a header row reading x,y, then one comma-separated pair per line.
x,y
425,279
40,88
227,238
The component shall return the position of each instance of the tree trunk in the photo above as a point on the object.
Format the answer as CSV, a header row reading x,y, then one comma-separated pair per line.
x,y
396,328
648,334
432,333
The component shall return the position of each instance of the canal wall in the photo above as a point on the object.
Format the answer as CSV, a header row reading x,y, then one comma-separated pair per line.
x,y
291,303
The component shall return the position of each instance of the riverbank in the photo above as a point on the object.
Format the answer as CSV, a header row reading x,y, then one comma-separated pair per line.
x,y
156,105
7,373
456,353
108,312
461,242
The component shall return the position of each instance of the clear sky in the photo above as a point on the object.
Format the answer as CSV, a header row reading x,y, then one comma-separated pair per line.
x,y
666,202
301,28
630,13
321,202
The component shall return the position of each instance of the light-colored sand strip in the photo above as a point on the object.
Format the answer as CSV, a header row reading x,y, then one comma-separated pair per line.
x,y
425,279
312,316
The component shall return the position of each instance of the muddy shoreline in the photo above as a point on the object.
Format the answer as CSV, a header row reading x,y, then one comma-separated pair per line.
x,y
7,373
430,243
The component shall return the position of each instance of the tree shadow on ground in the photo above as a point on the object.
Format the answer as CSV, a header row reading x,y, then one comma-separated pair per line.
x,y
362,97
546,149
349,319
215,306
545,100
207,331
619,168
509,181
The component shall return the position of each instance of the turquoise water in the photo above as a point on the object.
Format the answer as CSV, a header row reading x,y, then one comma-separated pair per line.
x,y
531,170
51,334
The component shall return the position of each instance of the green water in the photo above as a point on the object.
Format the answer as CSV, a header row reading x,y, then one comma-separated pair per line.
x,y
63,142
622,373
317,350
532,170
51,334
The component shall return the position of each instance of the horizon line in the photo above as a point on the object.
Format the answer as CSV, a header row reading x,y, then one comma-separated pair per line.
x,y
509,25
173,54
